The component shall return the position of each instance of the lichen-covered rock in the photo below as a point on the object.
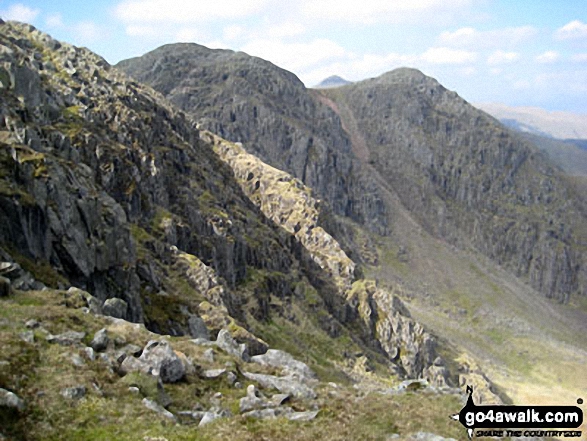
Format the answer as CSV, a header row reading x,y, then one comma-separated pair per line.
x,y
228,344
100,341
287,385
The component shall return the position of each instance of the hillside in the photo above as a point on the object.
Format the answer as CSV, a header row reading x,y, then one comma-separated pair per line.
x,y
484,237
151,270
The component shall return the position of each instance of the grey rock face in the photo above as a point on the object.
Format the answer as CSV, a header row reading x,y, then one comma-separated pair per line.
x,y
115,307
11,400
197,328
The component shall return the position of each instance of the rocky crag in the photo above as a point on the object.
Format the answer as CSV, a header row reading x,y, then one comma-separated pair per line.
x,y
114,203
462,175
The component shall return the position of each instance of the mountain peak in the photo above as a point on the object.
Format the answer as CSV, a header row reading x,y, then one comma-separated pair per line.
x,y
332,81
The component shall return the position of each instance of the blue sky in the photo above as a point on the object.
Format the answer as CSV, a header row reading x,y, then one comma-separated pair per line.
x,y
521,53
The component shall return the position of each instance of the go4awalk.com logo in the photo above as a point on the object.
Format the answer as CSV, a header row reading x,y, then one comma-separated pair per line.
x,y
520,421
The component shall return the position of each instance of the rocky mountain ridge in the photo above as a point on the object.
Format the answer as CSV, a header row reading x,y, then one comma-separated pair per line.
x,y
464,177
115,202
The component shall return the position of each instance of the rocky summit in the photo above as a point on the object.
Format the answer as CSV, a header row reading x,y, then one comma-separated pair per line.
x,y
221,253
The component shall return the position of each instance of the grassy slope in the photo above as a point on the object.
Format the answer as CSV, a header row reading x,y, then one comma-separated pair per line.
x,y
39,371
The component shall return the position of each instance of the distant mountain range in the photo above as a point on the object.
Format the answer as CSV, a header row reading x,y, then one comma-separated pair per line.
x,y
332,81
560,125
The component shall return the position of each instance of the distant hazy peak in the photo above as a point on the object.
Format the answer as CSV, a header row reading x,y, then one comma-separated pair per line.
x,y
332,81
561,125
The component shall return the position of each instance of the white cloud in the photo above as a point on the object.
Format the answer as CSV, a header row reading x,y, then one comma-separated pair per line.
x,y
501,57
547,57
142,31
88,32
184,11
572,30
295,56
375,11
20,12
54,21
189,35
283,30
232,32
444,55
579,58
522,85
470,37
496,70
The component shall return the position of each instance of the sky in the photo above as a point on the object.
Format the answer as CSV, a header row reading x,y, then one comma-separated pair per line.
x,y
520,53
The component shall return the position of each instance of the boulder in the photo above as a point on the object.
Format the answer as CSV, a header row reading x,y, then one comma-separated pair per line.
x,y
252,400
68,338
11,400
158,409
74,393
100,341
229,345
160,356
285,361
287,385
116,308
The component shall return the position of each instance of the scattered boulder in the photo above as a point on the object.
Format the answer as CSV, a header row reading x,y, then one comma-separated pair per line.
x,y
208,417
11,400
209,355
252,400
302,416
74,393
287,385
159,409
100,341
79,298
68,338
213,373
32,324
27,336
229,345
160,356
116,308
285,361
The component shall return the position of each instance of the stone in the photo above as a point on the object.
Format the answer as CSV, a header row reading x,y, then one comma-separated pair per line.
x,y
74,393
68,338
89,353
208,417
27,336
285,361
213,373
77,361
252,400
279,399
5,287
302,416
287,385
160,356
231,378
229,345
32,324
149,404
11,400
84,298
100,341
209,355
116,308
197,328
